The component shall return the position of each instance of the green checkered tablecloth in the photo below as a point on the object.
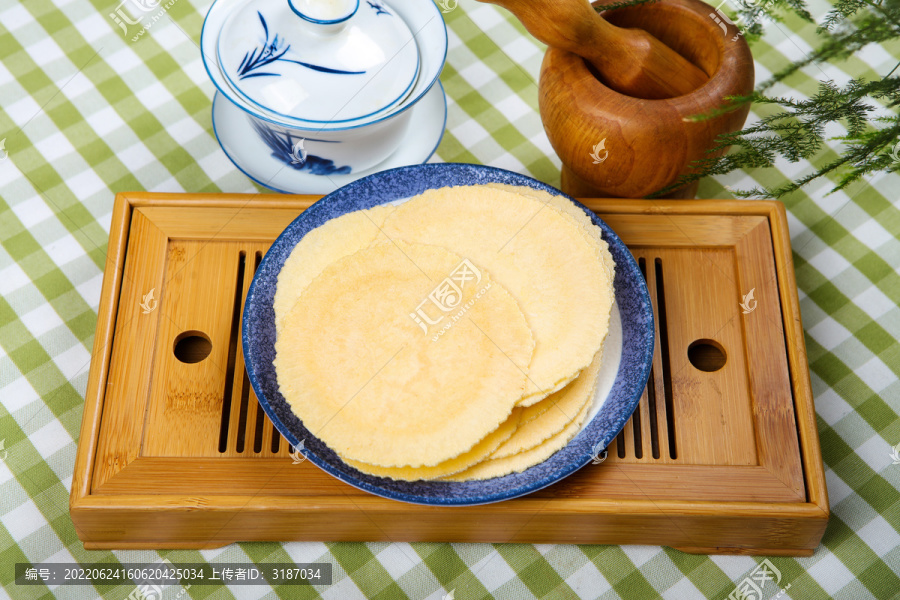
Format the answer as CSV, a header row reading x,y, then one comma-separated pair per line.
x,y
86,113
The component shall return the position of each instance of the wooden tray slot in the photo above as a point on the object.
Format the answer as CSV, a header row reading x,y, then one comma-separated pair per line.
x,y
229,394
698,381
203,404
244,430
663,402
644,438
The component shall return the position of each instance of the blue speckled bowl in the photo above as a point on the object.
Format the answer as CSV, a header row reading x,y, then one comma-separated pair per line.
x,y
625,387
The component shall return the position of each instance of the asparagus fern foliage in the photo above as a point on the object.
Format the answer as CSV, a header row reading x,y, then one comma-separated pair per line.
x,y
795,130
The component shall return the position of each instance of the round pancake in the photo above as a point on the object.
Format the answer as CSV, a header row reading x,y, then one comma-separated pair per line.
x,y
537,253
497,467
478,453
530,413
379,386
564,205
565,405
334,239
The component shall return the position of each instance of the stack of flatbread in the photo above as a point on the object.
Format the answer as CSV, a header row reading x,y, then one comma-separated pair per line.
x,y
455,336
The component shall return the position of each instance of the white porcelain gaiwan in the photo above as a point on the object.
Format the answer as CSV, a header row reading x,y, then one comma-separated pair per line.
x,y
328,87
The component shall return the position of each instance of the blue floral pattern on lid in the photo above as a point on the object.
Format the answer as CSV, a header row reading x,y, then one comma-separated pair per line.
x,y
274,51
379,8
258,339
319,61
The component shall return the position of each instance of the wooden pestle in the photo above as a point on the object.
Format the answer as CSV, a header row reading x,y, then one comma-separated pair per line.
x,y
631,61
650,143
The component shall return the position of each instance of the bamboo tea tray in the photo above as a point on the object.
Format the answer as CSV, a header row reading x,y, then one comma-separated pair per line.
x,y
722,455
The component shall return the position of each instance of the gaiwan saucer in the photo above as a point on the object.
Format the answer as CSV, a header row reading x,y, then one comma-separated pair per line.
x,y
277,170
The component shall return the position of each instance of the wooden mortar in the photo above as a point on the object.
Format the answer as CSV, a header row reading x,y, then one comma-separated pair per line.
x,y
650,143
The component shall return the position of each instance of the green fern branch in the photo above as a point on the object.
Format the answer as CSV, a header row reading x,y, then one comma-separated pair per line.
x,y
796,131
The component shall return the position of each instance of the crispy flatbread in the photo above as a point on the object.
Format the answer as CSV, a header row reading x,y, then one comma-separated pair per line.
x,y
478,453
497,467
564,406
564,205
322,246
538,253
378,386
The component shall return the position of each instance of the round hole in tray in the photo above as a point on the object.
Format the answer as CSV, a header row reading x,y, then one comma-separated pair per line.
x,y
192,346
707,355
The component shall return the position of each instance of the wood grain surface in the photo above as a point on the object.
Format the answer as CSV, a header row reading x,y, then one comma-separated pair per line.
x,y
630,60
721,456
646,144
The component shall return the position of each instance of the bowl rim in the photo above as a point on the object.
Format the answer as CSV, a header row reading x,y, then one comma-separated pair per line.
x,y
576,456
319,126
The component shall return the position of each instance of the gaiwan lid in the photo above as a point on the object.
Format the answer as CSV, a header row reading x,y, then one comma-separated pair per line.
x,y
318,60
